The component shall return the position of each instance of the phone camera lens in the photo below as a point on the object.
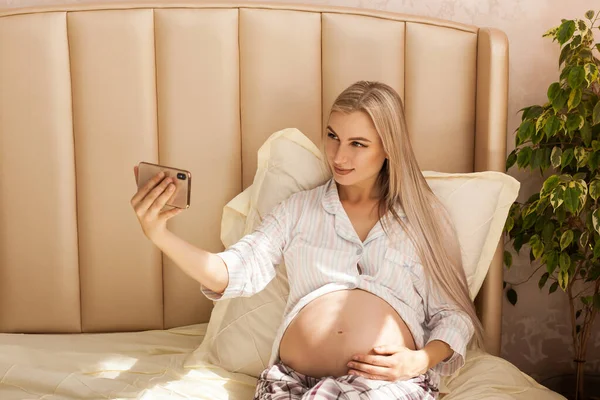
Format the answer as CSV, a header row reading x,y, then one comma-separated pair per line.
x,y
181,176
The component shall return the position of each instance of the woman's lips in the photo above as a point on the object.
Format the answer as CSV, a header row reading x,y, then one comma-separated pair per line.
x,y
342,171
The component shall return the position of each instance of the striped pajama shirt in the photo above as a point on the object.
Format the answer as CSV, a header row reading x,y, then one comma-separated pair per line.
x,y
311,233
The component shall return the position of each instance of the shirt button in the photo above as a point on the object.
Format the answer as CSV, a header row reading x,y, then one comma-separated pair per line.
x,y
359,252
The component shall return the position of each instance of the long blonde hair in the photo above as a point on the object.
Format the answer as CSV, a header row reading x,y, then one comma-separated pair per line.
x,y
401,183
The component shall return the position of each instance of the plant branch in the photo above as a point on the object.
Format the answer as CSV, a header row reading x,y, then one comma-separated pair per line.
x,y
533,273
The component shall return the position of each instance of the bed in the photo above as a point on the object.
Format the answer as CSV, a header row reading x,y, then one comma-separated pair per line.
x,y
88,307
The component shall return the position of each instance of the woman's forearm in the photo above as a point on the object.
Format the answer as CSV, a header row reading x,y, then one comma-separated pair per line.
x,y
203,266
437,351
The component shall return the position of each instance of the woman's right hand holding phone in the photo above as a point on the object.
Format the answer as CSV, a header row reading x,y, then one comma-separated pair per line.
x,y
148,202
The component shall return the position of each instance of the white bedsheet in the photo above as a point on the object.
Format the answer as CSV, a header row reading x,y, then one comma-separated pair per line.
x,y
149,365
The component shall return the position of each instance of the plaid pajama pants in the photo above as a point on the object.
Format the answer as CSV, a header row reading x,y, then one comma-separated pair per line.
x,y
283,383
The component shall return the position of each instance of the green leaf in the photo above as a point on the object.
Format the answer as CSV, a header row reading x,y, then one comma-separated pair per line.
x,y
546,161
553,91
576,77
552,126
507,259
526,130
580,155
543,280
553,288
548,233
509,224
555,157
566,239
597,249
595,189
557,197
596,220
586,133
571,199
591,73
518,242
511,160
574,98
565,53
539,224
563,279
594,161
564,261
565,31
581,25
596,114
551,260
584,239
511,295
529,221
589,14
531,112
561,99
550,32
594,274
535,139
574,122
567,157
537,247
541,206
524,157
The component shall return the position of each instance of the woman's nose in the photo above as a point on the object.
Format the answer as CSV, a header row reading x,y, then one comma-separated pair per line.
x,y
341,156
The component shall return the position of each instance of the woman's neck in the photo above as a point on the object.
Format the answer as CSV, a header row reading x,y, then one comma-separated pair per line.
x,y
362,192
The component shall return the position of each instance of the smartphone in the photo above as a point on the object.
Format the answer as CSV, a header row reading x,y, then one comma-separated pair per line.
x,y
182,181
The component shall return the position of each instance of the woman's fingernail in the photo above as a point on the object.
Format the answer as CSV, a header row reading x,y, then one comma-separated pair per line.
x,y
350,365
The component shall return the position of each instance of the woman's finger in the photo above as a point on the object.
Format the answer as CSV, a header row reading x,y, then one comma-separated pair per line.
x,y
382,361
145,204
143,192
368,376
170,213
368,368
163,197
135,174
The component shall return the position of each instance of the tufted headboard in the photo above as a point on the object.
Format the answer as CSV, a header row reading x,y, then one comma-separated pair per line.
x,y
87,91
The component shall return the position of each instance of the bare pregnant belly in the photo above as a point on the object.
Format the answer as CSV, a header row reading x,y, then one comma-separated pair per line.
x,y
326,333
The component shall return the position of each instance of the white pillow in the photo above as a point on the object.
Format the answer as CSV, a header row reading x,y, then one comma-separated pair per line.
x,y
241,331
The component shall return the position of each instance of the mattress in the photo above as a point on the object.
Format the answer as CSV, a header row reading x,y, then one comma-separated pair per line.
x,y
149,365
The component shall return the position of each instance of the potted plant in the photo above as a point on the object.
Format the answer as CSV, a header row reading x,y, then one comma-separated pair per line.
x,y
561,223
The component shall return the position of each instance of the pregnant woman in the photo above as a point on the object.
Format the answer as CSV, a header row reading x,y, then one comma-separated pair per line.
x,y
378,306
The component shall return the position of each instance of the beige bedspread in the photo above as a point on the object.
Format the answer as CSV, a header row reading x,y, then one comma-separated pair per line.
x,y
149,365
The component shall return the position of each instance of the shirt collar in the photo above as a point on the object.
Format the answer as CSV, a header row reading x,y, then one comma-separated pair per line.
x,y
332,204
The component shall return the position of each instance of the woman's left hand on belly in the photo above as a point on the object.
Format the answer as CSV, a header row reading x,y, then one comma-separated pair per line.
x,y
389,363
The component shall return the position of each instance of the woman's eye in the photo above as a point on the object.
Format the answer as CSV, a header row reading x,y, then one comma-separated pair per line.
x,y
331,135
357,144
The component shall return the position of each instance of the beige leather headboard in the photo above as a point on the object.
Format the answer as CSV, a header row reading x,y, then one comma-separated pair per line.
x,y
88,91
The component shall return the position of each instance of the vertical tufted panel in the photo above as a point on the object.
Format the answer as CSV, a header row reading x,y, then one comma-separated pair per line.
x,y
39,277
360,48
114,119
280,66
199,130
440,96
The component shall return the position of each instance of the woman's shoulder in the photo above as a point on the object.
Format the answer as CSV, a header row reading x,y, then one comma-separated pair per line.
x,y
309,195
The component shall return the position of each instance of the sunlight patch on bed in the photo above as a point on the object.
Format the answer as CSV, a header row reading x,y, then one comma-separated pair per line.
x,y
113,367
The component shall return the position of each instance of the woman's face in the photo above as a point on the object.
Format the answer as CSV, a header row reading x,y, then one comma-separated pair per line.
x,y
353,148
